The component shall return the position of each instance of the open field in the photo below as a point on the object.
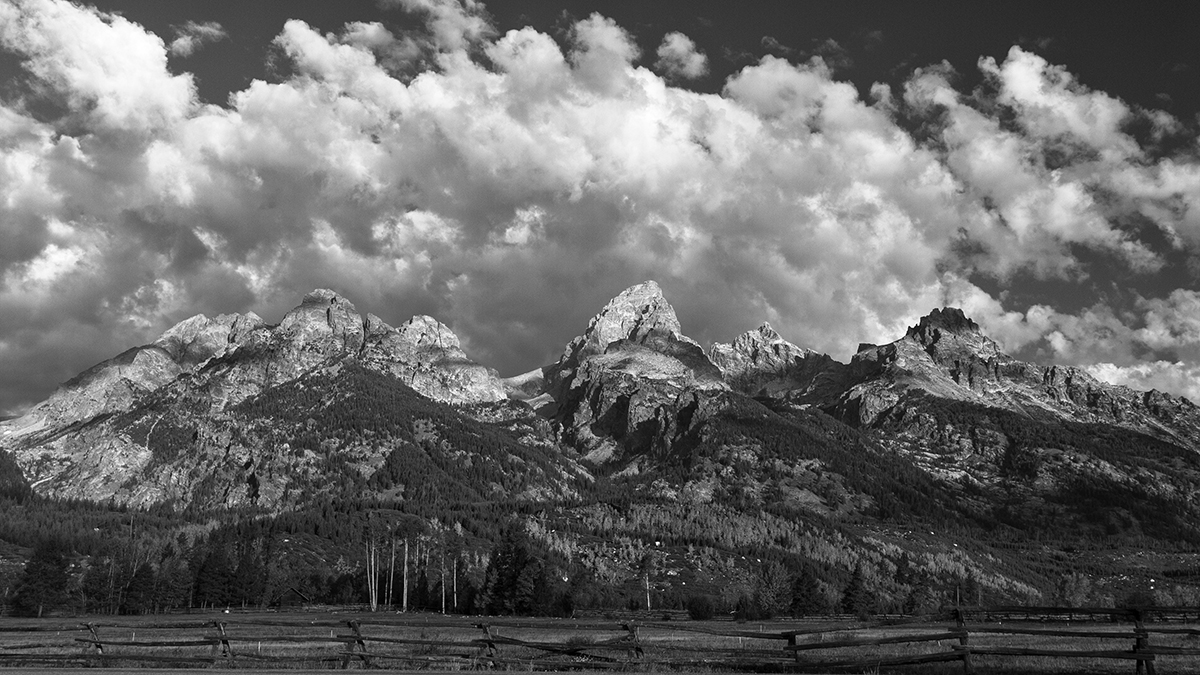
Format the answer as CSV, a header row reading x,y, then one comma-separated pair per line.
x,y
982,643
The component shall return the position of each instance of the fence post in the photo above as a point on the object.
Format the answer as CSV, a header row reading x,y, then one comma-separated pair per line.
x,y
636,652
493,652
359,643
964,642
1145,663
99,647
792,645
223,640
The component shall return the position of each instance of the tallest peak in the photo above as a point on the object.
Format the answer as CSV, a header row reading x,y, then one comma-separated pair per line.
x,y
646,289
635,312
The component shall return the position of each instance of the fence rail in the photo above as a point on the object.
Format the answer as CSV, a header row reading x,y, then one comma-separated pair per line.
x,y
974,637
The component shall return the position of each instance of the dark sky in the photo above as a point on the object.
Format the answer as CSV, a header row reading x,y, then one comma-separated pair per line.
x,y
1146,54
835,168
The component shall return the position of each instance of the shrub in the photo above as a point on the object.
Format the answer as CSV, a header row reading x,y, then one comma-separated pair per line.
x,y
701,608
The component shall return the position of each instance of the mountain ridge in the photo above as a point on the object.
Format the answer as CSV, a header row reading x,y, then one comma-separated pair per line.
x,y
632,393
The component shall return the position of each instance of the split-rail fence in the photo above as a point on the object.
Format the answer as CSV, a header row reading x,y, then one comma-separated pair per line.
x,y
1148,640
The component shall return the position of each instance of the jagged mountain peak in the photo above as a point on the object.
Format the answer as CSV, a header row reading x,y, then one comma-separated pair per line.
x,y
425,330
427,356
631,369
637,315
324,314
947,319
199,338
633,314
763,335
759,344
760,361
947,334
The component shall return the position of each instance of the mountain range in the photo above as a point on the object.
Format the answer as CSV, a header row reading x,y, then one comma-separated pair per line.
x,y
939,428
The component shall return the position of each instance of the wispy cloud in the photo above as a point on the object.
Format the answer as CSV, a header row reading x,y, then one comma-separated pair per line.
x,y
192,35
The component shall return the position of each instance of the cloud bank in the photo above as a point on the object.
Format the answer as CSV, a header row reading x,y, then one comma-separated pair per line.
x,y
510,184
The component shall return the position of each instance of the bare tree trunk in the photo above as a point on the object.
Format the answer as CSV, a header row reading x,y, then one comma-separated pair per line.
x,y
647,591
404,606
391,588
372,579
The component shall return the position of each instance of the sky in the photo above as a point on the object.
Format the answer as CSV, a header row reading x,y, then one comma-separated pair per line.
x,y
837,169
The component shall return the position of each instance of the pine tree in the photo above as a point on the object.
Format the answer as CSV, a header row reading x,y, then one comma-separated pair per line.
x,y
139,593
45,582
921,599
97,589
806,593
173,584
972,590
856,599
249,579
213,577
527,598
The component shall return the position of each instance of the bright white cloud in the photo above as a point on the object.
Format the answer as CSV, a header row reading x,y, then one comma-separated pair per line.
x,y
106,66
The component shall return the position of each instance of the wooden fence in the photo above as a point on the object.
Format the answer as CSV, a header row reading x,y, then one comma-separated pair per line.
x,y
977,639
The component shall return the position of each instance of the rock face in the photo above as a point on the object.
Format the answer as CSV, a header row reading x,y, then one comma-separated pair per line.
x,y
761,363
427,356
945,356
67,445
114,385
632,383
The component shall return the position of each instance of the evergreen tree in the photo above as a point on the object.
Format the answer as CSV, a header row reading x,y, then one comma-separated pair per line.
x,y
98,586
173,583
249,579
514,581
806,593
44,585
921,599
972,590
213,577
526,595
856,599
139,593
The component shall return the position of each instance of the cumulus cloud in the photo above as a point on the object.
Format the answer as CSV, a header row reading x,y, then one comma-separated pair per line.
x,y
192,35
512,184
678,57
107,69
